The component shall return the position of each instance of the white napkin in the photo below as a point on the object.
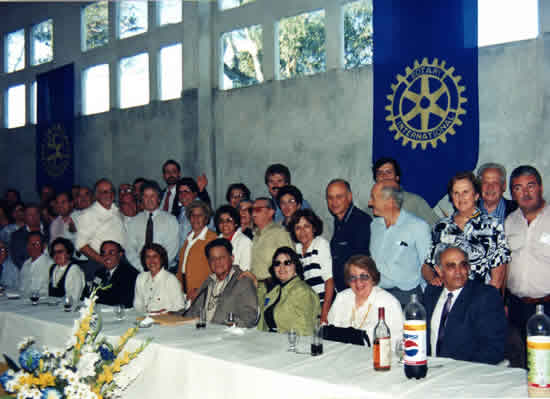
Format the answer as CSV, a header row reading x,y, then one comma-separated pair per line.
x,y
235,330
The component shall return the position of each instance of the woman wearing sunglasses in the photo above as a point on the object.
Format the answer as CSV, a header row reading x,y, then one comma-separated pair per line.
x,y
291,303
358,305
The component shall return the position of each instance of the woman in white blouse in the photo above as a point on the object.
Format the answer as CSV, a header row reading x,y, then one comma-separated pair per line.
x,y
357,306
65,278
157,290
228,221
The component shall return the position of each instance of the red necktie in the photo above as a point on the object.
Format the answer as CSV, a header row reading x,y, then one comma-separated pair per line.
x,y
167,201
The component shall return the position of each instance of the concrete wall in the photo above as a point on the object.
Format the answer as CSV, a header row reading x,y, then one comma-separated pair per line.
x,y
320,126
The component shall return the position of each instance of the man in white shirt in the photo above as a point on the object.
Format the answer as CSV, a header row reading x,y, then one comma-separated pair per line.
x,y
63,225
100,222
162,225
528,234
35,271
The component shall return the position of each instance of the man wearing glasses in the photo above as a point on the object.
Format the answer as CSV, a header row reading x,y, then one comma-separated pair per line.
x,y
268,236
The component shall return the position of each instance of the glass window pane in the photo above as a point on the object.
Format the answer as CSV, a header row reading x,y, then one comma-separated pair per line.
x,y
132,18
242,57
357,33
95,89
42,42
170,72
15,110
134,80
501,21
302,44
15,51
227,4
95,21
33,103
169,11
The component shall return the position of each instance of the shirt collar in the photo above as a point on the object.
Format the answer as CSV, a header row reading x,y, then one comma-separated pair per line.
x,y
346,216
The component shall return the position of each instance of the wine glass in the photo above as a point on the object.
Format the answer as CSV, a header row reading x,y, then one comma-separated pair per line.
x,y
35,297
67,303
400,350
292,340
119,313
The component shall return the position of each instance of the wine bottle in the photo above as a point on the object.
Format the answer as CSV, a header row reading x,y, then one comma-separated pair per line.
x,y
382,344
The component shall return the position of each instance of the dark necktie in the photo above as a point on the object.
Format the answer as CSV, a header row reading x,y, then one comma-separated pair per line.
x,y
443,321
149,230
167,200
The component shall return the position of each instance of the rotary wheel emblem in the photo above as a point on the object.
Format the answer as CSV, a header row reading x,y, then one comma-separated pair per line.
x,y
56,152
426,104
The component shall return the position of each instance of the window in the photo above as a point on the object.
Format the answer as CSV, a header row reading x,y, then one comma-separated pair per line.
x,y
132,18
242,57
15,106
95,25
134,80
501,21
15,51
302,44
169,11
227,4
95,89
42,42
170,72
34,120
357,33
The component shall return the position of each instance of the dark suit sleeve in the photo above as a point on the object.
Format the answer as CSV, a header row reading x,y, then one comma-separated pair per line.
x,y
491,327
203,196
362,238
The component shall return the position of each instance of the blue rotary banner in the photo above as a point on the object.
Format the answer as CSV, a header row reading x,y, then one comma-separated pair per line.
x,y
426,90
55,128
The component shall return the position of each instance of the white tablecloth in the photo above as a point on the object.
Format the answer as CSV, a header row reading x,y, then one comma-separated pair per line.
x,y
184,362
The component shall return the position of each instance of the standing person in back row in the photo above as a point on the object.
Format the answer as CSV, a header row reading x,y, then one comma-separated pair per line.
x,y
351,234
277,176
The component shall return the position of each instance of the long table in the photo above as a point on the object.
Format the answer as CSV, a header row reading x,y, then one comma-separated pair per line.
x,y
215,362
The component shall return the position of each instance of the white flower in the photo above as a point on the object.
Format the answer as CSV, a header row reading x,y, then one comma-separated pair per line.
x,y
86,365
27,341
70,342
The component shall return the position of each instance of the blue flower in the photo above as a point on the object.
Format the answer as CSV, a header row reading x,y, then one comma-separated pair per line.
x,y
4,378
29,359
51,393
106,353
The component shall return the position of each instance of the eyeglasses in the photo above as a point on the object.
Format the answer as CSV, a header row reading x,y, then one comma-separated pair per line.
x,y
228,220
3,250
59,251
127,190
362,277
237,195
185,192
278,263
289,202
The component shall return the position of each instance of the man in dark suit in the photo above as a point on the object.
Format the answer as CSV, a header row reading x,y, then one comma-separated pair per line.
x,y
117,273
466,319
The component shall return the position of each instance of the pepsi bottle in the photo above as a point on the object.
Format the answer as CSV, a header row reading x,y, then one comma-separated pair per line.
x,y
415,340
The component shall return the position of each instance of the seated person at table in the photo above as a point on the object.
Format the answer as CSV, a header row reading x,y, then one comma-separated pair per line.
x,y
157,290
116,273
66,278
9,273
34,273
466,319
224,291
357,306
291,303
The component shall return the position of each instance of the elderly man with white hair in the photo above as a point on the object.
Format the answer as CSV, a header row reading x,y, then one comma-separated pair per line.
x,y
492,177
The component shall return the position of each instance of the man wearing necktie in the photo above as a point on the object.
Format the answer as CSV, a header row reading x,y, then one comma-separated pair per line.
x,y
153,225
466,319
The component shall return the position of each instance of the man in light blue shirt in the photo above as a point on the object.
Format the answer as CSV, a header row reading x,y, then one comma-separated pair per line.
x,y
9,273
400,241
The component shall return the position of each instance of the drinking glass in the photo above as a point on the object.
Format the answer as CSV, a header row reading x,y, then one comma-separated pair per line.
x,y
35,297
202,318
67,303
400,350
119,313
292,340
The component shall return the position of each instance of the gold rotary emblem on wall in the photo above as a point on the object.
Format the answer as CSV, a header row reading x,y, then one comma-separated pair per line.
x,y
425,104
55,151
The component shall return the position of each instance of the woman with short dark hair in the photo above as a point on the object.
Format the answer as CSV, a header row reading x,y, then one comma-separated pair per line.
x,y
157,290
291,303
66,277
228,225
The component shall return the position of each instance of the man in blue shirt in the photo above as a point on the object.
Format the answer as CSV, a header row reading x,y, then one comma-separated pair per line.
x,y
400,242
276,177
351,234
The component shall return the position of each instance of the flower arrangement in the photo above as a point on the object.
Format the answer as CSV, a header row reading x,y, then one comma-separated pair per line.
x,y
88,367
